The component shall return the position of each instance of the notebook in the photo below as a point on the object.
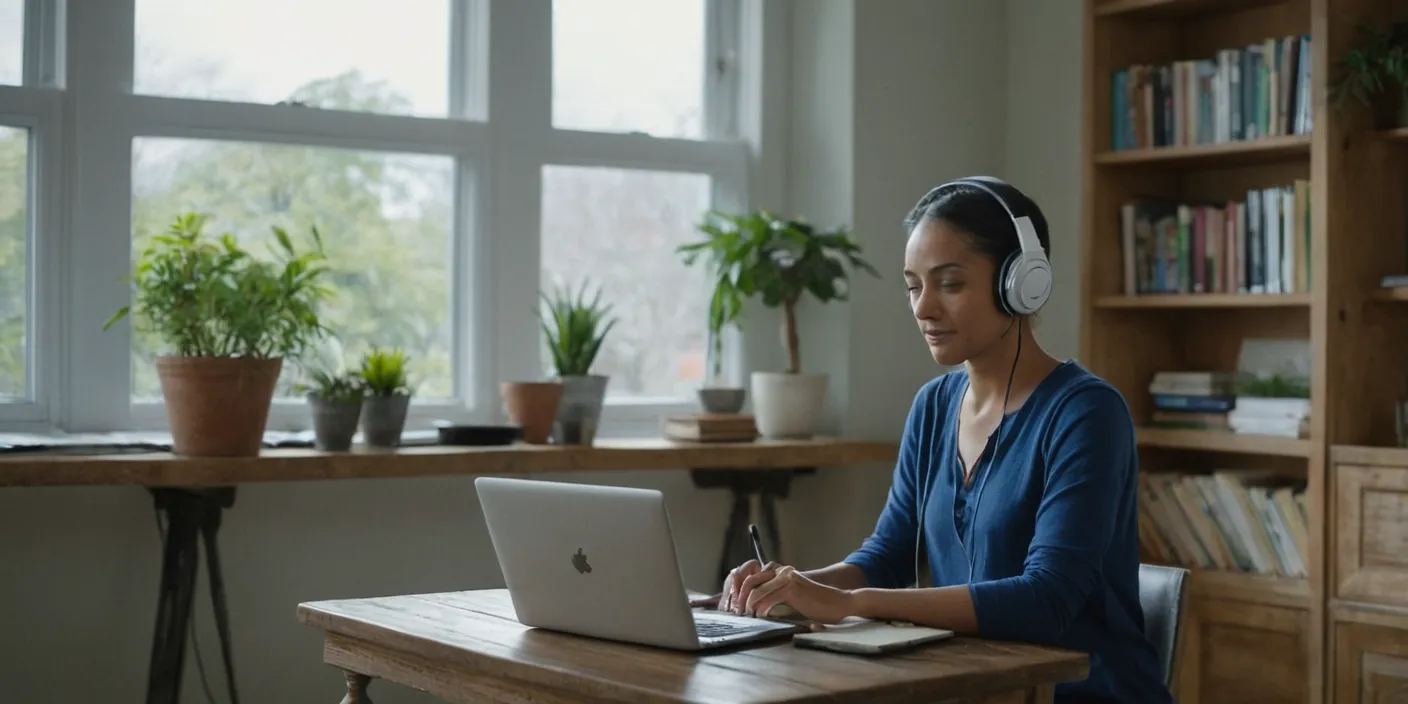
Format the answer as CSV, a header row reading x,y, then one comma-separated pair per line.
x,y
869,637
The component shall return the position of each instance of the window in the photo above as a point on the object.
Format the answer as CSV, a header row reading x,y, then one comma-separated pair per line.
x,y
14,269
11,41
618,228
363,55
451,179
386,221
629,66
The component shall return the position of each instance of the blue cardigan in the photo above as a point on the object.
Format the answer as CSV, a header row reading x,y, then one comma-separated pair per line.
x,y
1047,536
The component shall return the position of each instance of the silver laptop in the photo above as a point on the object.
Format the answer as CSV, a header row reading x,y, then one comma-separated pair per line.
x,y
600,561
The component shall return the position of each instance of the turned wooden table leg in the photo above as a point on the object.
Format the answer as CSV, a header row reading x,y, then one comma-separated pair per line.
x,y
357,689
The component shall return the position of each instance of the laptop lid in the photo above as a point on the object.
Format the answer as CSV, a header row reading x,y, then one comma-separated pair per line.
x,y
593,560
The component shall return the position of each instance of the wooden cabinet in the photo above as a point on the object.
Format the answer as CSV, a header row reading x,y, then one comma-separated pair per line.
x,y
1371,534
1370,657
1243,653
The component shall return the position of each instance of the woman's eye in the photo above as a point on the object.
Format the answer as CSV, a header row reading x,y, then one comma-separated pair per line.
x,y
951,285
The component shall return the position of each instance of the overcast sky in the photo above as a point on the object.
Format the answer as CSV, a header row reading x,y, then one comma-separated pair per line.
x,y
627,64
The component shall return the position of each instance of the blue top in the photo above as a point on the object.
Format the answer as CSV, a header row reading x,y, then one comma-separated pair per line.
x,y
1052,555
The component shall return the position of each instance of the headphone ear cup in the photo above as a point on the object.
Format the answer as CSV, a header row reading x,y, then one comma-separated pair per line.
x,y
1001,290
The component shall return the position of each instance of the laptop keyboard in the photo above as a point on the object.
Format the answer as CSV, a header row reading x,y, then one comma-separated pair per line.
x,y
715,628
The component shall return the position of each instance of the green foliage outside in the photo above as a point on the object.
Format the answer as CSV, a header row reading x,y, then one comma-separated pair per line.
x,y
13,280
385,220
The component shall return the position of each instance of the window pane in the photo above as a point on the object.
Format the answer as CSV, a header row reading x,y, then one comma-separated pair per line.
x,y
618,229
11,41
14,279
385,219
628,66
362,55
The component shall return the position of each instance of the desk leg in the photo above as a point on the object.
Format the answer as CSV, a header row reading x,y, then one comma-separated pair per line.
x,y
769,485
357,689
190,515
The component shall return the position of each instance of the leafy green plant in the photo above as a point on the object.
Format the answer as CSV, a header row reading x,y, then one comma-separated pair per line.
x,y
778,260
1273,386
347,386
575,329
1369,69
208,297
383,372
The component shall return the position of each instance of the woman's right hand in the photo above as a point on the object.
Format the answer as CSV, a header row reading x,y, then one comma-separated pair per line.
x,y
741,582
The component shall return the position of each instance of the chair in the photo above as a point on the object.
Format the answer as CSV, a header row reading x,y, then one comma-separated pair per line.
x,y
1161,597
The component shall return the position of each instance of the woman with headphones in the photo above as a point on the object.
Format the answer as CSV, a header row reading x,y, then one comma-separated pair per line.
x,y
1017,474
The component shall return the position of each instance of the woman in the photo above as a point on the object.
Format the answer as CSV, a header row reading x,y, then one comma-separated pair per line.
x,y
1023,468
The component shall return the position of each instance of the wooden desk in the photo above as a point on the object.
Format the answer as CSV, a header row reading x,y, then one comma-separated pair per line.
x,y
468,647
193,493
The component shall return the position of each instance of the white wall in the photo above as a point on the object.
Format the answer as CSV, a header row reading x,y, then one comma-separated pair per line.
x,y
874,112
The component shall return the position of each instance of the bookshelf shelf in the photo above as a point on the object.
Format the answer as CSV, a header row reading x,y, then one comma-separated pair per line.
x,y
1206,300
1398,135
1171,9
1223,441
1237,153
1397,293
1252,588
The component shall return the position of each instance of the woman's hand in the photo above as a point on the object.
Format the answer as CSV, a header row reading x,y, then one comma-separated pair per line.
x,y
785,585
736,585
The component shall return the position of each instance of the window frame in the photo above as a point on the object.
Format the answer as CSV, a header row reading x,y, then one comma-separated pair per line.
x,y
36,106
499,130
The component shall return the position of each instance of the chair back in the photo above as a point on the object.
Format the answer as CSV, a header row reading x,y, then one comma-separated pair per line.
x,y
1161,595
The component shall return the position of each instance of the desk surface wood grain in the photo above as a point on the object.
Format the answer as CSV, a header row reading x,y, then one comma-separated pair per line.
x,y
164,469
468,646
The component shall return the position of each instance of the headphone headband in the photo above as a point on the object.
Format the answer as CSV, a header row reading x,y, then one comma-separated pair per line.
x,y
1024,281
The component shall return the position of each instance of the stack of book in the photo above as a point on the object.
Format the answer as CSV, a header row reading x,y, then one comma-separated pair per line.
x,y
712,427
1249,92
1282,417
1260,244
1193,399
1238,521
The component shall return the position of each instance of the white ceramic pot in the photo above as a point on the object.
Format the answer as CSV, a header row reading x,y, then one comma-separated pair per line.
x,y
788,405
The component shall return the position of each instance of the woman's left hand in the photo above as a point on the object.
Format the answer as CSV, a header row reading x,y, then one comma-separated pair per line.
x,y
815,601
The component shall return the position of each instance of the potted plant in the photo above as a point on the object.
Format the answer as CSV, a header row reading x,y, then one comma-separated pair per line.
x,y
228,320
532,406
1376,74
575,329
335,397
779,260
388,396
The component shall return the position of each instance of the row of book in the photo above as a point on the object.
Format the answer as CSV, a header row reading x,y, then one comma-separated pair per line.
x,y
1259,90
1257,245
1213,401
1236,521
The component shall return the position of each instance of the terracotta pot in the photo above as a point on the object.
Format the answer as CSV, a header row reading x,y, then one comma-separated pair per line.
x,y
532,405
217,406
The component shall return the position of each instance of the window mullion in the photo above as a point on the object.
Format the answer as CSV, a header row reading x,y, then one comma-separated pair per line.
x,y
97,252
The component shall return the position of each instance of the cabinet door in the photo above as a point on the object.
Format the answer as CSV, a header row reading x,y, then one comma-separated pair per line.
x,y
1371,535
1371,663
1244,653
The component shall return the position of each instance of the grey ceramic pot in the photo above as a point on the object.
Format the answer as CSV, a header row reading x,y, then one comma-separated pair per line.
x,y
722,399
383,419
334,423
579,413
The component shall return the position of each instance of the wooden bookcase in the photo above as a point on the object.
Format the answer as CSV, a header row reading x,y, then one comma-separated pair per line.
x,y
1338,634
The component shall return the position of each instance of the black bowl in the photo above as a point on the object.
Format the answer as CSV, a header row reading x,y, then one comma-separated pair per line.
x,y
477,435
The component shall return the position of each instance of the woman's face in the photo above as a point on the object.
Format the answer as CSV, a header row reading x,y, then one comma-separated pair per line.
x,y
951,293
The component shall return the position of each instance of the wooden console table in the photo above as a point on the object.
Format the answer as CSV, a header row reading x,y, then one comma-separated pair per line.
x,y
194,492
469,647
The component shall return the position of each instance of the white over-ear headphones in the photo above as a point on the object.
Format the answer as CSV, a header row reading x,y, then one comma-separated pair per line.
x,y
1023,282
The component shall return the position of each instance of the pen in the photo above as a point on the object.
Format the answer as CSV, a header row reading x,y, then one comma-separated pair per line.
x,y
757,544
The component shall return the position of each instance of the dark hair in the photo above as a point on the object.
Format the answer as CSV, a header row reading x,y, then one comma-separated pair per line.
x,y
981,219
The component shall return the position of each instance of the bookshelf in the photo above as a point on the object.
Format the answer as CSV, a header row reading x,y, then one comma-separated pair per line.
x,y
1327,619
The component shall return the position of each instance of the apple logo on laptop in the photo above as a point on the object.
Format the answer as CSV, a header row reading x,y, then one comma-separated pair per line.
x,y
579,561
